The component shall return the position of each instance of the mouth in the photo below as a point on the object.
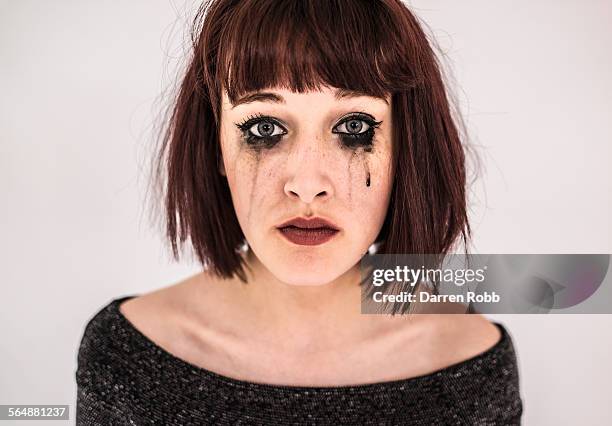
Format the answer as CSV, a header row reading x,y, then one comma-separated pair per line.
x,y
308,232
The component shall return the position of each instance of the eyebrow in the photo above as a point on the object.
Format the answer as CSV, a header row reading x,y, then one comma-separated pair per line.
x,y
278,99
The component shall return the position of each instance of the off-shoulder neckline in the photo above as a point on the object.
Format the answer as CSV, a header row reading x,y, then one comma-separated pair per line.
x,y
453,370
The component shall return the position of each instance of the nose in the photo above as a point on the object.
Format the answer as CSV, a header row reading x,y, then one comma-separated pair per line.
x,y
307,172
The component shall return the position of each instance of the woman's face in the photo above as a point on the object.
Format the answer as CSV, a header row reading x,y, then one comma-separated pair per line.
x,y
321,154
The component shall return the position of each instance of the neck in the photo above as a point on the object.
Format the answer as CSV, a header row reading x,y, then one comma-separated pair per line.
x,y
303,314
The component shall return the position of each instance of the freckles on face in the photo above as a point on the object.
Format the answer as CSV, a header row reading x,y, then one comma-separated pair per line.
x,y
369,180
243,171
308,165
357,177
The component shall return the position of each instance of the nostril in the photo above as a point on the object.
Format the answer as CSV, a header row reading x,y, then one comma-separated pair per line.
x,y
307,190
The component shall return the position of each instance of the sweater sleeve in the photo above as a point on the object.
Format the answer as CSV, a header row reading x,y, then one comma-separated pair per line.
x,y
93,411
95,379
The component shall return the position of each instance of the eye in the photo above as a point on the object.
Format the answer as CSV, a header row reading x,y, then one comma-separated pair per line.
x,y
357,130
261,131
352,126
266,129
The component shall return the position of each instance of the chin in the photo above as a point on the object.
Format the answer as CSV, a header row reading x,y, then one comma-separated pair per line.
x,y
308,271
306,278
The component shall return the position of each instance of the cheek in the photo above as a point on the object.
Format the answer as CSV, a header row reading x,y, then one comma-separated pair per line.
x,y
370,185
254,181
361,182
242,176
243,169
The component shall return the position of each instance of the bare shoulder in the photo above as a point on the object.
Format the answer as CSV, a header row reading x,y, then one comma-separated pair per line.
x,y
159,314
459,337
418,344
151,304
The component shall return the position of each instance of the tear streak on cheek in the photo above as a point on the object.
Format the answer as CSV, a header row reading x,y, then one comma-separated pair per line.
x,y
366,176
247,164
350,176
256,164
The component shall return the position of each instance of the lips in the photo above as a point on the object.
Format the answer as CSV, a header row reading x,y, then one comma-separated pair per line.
x,y
308,232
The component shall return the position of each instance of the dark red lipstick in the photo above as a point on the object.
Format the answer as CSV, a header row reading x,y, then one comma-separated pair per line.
x,y
308,232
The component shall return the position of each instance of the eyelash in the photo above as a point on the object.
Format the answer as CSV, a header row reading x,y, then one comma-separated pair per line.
x,y
350,140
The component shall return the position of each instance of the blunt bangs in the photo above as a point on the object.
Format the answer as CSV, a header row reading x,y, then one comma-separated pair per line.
x,y
375,47
303,45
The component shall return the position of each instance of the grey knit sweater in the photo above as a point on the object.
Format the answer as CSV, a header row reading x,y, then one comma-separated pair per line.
x,y
124,378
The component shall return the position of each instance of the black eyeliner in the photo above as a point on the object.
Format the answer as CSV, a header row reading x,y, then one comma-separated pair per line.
x,y
254,119
349,140
259,141
356,140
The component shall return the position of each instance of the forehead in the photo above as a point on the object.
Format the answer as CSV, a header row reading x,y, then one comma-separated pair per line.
x,y
286,97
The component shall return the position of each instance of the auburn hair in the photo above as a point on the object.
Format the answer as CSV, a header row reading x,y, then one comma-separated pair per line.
x,y
374,46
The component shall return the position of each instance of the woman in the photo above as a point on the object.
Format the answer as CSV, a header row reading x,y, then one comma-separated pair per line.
x,y
305,134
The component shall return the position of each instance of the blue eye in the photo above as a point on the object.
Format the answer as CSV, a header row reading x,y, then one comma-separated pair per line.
x,y
357,130
352,126
261,130
354,130
266,129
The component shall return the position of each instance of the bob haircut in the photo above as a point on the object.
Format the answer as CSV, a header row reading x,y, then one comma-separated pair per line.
x,y
374,47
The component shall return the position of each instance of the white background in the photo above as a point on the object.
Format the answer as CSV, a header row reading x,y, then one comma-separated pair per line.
x,y
80,86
